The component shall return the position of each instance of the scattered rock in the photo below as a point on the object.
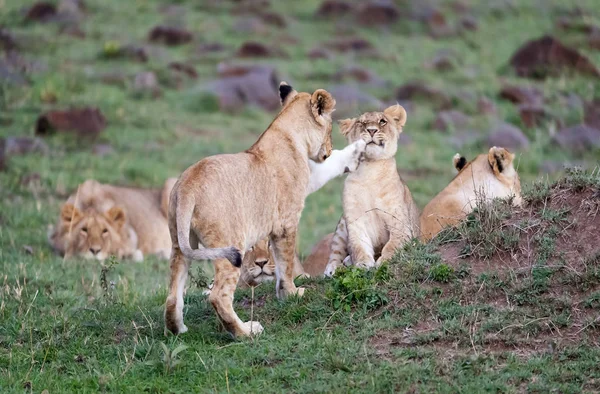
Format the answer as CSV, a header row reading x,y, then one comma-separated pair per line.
x,y
169,35
7,40
578,139
274,19
509,137
592,113
405,139
146,82
469,22
464,138
594,40
438,25
102,150
209,48
351,101
2,154
576,24
41,12
256,49
87,121
352,44
319,53
241,85
359,74
24,145
450,120
250,24
9,74
116,78
72,8
28,249
522,95
485,106
552,166
377,12
533,115
72,30
184,68
332,9
548,56
444,60
418,90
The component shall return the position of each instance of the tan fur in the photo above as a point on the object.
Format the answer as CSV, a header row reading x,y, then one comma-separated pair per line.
x,y
314,265
92,235
379,211
145,225
226,203
258,266
489,176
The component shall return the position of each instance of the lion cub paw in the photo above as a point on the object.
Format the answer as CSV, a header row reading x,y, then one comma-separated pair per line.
x,y
332,266
180,330
250,328
357,149
365,264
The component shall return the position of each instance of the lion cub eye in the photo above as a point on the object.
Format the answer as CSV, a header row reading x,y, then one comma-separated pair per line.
x,y
105,231
383,122
84,230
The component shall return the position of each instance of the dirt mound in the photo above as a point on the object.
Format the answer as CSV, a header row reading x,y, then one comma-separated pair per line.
x,y
524,281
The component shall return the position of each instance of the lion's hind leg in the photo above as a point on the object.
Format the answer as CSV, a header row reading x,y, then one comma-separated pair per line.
x,y
174,304
221,298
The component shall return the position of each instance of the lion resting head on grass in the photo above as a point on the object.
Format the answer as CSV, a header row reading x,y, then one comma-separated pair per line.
x,y
91,234
142,221
225,204
488,176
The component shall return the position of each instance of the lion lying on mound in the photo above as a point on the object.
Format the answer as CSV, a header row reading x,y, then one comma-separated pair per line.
x,y
219,206
488,176
100,220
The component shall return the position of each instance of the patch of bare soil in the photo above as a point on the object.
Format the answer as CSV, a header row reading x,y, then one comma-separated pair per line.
x,y
538,296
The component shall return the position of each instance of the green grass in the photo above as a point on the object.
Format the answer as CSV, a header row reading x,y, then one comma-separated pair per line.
x,y
422,325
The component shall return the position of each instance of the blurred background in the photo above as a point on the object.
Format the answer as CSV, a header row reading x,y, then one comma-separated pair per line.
x,y
132,92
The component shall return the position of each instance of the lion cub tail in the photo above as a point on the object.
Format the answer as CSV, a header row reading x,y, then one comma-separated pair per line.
x,y
184,217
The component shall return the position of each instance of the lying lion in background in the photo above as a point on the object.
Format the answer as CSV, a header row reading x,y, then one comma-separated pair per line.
x,y
100,220
219,207
488,176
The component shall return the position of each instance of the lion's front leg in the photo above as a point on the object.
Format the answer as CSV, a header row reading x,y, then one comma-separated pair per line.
x,y
284,250
221,298
360,245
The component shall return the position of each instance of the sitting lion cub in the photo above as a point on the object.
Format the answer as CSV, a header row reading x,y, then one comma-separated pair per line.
x,y
224,204
488,176
131,222
379,212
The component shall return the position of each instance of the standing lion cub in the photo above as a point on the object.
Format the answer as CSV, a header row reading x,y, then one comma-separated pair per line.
x,y
219,206
379,212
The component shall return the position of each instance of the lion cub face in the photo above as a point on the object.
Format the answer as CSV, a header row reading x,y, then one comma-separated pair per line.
x,y
258,266
379,130
90,234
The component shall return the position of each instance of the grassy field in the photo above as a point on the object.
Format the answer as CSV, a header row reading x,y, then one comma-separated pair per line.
x,y
77,326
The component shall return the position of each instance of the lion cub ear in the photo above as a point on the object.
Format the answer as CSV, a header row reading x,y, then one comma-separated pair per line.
x,y
116,215
398,113
286,93
459,162
69,213
322,105
500,159
346,126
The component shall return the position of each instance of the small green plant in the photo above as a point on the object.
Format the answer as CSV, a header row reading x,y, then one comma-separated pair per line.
x,y
442,273
356,286
170,359
106,285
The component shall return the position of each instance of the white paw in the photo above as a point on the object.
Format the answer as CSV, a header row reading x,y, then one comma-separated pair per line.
x,y
209,290
348,261
332,266
137,256
252,328
181,330
365,264
357,150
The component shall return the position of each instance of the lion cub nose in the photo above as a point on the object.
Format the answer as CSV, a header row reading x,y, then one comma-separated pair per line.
x,y
261,263
95,251
372,130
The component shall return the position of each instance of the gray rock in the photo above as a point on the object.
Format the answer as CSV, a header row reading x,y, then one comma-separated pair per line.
x,y
508,136
579,138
